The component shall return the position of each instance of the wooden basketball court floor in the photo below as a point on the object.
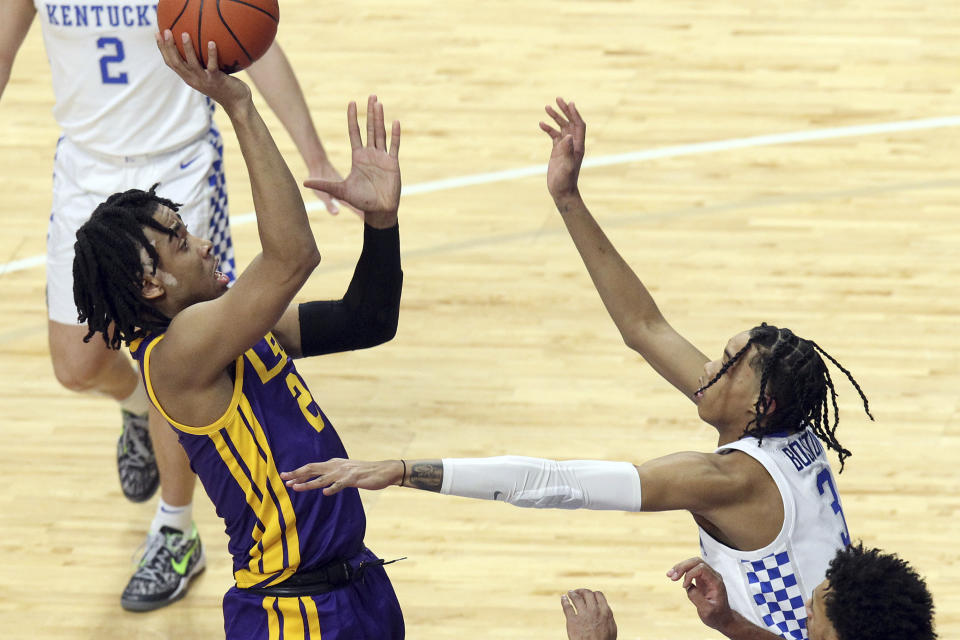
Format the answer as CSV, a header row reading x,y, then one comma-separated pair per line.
x,y
847,235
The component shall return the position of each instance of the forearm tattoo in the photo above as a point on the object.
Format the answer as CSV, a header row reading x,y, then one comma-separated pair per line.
x,y
426,475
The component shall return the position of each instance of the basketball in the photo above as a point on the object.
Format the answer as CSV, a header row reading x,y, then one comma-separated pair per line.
x,y
242,29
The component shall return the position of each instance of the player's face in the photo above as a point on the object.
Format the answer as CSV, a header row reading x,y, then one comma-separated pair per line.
x,y
188,269
819,626
729,402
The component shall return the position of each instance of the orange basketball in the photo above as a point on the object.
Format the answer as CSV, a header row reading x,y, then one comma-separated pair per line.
x,y
242,29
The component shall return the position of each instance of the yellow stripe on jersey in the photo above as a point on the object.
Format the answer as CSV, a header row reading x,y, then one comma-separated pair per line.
x,y
221,422
273,622
292,618
293,627
249,446
266,509
313,618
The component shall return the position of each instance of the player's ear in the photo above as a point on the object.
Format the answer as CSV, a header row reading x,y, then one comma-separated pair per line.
x,y
768,405
151,287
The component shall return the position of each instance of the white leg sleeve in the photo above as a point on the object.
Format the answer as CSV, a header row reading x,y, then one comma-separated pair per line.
x,y
544,484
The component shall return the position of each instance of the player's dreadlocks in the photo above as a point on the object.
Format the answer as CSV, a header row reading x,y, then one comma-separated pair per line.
x,y
795,380
878,596
108,268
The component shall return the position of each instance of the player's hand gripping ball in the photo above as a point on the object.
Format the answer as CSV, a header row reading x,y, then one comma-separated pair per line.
x,y
242,29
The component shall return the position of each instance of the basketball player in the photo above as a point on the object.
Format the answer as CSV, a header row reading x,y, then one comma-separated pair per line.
x,y
765,501
127,119
233,395
866,594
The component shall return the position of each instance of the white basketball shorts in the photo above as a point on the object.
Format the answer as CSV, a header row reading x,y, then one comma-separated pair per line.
x,y
191,175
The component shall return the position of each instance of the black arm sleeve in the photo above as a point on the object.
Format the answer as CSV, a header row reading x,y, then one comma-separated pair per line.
x,y
368,313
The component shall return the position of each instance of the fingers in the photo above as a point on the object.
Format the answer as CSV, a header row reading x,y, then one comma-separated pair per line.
x,y
553,133
329,203
168,49
189,53
371,121
568,610
212,64
310,470
577,599
334,488
330,189
381,132
395,139
316,475
677,571
353,127
574,115
692,575
560,120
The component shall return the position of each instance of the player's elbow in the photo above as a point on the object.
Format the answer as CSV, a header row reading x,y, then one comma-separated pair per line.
x,y
384,326
311,259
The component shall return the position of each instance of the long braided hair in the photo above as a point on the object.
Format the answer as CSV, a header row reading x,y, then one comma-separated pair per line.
x,y
108,269
795,381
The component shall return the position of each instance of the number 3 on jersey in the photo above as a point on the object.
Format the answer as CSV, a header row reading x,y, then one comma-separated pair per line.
x,y
114,54
824,478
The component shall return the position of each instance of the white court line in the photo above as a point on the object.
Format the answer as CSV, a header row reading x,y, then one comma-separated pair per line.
x,y
620,158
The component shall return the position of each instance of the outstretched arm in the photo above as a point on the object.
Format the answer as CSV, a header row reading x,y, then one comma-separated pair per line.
x,y
15,19
705,589
274,78
643,327
697,482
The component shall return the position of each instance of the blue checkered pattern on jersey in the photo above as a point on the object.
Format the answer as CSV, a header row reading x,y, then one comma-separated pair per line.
x,y
219,218
773,585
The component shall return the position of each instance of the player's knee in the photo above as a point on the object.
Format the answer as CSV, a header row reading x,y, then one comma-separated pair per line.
x,y
80,373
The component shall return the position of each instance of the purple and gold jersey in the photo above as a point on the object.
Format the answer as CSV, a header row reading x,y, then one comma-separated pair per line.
x,y
272,424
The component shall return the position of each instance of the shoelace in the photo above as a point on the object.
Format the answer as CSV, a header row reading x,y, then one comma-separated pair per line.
x,y
134,446
146,561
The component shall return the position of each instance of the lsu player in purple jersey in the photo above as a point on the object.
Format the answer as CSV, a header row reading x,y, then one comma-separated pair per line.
x,y
217,362
127,119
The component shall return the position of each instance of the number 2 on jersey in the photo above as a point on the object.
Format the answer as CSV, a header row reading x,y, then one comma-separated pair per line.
x,y
308,407
111,58
824,478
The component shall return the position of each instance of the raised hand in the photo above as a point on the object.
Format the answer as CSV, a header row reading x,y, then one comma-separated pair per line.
x,y
705,590
373,185
588,615
326,171
224,89
563,170
337,474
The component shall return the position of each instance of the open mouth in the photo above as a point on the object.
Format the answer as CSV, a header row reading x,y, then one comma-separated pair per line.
x,y
220,276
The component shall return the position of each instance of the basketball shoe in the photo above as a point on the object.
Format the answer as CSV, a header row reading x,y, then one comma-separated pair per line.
x,y
170,560
136,463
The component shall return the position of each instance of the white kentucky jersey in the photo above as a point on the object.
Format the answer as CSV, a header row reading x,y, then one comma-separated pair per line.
x,y
114,94
769,586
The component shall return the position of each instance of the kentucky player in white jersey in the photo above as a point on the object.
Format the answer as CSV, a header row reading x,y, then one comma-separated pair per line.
x,y
128,121
765,501
769,585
